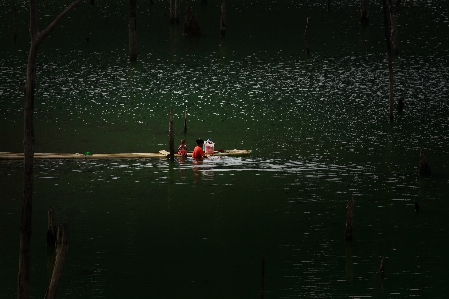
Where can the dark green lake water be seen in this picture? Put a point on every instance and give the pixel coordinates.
(318, 127)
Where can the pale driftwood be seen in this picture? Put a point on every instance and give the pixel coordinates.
(62, 246)
(77, 156)
(37, 36)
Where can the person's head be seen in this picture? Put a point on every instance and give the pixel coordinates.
(183, 141)
(199, 141)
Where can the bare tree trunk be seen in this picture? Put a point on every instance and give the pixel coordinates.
(172, 11)
(23, 279)
(262, 287)
(51, 231)
(223, 19)
(306, 42)
(14, 10)
(387, 27)
(177, 10)
(62, 246)
(394, 12)
(349, 219)
(364, 12)
(171, 136)
(185, 121)
(132, 30)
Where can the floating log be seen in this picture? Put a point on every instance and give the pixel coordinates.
(349, 219)
(424, 168)
(191, 26)
(77, 156)
(62, 246)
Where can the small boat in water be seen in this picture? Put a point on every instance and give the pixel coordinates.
(87, 155)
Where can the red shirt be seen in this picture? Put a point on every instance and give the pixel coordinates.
(198, 153)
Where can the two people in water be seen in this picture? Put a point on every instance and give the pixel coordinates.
(198, 153)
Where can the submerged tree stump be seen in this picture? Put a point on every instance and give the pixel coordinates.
(191, 26)
(424, 168)
(364, 12)
(349, 219)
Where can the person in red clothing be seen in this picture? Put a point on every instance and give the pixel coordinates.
(198, 153)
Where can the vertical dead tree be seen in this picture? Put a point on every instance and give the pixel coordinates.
(381, 268)
(262, 288)
(51, 232)
(172, 11)
(223, 19)
(185, 121)
(62, 246)
(14, 10)
(132, 30)
(175, 11)
(306, 43)
(171, 136)
(424, 168)
(387, 27)
(349, 219)
(37, 37)
(190, 23)
(394, 13)
(364, 12)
